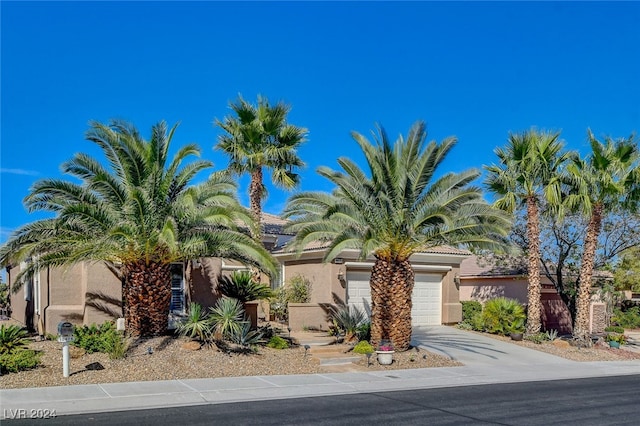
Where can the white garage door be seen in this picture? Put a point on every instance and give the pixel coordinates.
(427, 296)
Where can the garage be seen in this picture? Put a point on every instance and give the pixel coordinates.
(427, 296)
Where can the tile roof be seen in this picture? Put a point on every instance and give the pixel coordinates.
(320, 245)
(499, 266)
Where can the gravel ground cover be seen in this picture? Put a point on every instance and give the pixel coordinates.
(164, 358)
(598, 352)
(169, 361)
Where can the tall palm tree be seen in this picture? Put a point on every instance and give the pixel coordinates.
(399, 208)
(140, 212)
(529, 173)
(608, 178)
(259, 137)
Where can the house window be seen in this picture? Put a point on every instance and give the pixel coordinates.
(177, 288)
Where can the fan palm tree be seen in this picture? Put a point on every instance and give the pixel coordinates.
(608, 178)
(398, 209)
(140, 212)
(529, 173)
(259, 137)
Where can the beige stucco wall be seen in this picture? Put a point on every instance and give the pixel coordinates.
(19, 308)
(103, 294)
(483, 289)
(451, 307)
(325, 286)
(203, 281)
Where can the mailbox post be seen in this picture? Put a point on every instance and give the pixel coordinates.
(65, 335)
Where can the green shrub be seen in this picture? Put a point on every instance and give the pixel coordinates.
(277, 342)
(477, 322)
(537, 338)
(363, 332)
(617, 337)
(196, 325)
(500, 314)
(469, 309)
(226, 317)
(516, 326)
(615, 329)
(363, 347)
(278, 305)
(240, 285)
(12, 338)
(298, 290)
(627, 319)
(94, 338)
(18, 360)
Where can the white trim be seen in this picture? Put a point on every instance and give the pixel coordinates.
(37, 297)
(226, 267)
(430, 268)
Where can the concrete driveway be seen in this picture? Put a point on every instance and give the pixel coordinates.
(473, 349)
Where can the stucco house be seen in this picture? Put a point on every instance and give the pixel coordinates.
(483, 278)
(90, 293)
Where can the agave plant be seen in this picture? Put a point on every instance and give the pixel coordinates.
(244, 336)
(241, 285)
(12, 338)
(349, 319)
(196, 325)
(226, 317)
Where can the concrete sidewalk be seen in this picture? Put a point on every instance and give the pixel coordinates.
(488, 361)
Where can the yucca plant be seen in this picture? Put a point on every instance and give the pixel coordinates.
(241, 285)
(196, 325)
(226, 317)
(12, 338)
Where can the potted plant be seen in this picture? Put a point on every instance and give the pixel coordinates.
(385, 353)
(616, 339)
(516, 328)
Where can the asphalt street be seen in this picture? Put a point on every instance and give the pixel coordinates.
(593, 401)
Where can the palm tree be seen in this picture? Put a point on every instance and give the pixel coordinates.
(529, 173)
(141, 213)
(608, 178)
(397, 210)
(259, 137)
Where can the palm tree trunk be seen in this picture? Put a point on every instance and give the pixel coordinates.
(255, 201)
(391, 290)
(255, 198)
(581, 328)
(147, 297)
(534, 307)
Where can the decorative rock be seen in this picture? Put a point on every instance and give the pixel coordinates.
(559, 343)
(190, 346)
(76, 352)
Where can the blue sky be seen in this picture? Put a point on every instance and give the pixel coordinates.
(470, 69)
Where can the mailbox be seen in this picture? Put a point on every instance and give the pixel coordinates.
(65, 331)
